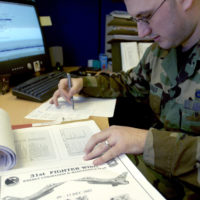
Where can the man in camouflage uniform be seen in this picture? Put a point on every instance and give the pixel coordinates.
(168, 78)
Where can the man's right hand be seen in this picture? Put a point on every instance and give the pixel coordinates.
(66, 92)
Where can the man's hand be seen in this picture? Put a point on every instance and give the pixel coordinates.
(66, 92)
(120, 139)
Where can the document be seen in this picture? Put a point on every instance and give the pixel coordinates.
(83, 108)
(50, 165)
(117, 179)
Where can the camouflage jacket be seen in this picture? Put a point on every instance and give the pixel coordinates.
(175, 99)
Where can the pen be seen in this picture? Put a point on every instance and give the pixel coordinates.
(70, 85)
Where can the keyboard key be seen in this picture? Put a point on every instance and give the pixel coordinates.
(39, 88)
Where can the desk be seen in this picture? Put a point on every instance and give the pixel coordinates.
(18, 109)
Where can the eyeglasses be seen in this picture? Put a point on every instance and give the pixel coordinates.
(148, 18)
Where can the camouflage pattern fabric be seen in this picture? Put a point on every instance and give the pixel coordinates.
(174, 150)
(170, 187)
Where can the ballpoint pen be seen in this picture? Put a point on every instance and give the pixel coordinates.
(70, 85)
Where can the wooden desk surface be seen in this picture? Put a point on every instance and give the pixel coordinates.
(18, 109)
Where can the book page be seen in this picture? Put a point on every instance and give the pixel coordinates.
(38, 146)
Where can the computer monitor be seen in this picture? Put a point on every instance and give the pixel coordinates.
(22, 48)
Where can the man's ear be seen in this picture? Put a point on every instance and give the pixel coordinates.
(186, 4)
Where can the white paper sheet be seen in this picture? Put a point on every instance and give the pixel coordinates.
(84, 107)
(117, 179)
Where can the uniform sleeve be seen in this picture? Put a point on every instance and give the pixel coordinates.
(134, 83)
(174, 154)
(105, 85)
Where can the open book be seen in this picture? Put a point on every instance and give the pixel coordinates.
(48, 165)
(32, 147)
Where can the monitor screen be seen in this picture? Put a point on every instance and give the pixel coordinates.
(20, 33)
(22, 46)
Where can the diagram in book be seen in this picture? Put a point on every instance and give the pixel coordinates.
(119, 180)
(44, 191)
(121, 197)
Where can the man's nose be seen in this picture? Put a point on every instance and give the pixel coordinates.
(143, 29)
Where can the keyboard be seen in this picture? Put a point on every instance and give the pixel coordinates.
(39, 89)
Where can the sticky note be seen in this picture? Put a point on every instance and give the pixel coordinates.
(45, 21)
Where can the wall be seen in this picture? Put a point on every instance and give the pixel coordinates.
(78, 26)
